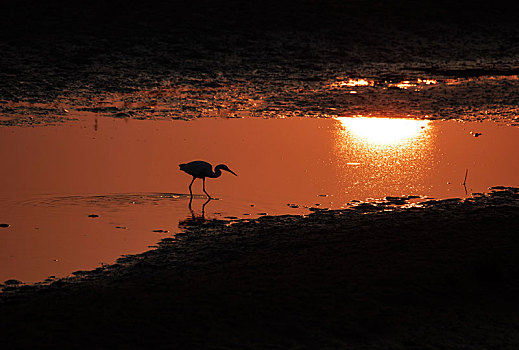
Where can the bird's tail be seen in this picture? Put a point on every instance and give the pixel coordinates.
(182, 166)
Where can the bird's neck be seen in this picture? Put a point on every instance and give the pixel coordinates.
(216, 173)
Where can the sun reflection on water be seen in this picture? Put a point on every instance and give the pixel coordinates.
(352, 82)
(384, 131)
(377, 154)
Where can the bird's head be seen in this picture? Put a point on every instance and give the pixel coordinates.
(226, 168)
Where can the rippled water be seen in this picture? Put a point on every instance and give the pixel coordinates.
(83, 193)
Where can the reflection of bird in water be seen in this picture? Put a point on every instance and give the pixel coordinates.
(200, 170)
(194, 219)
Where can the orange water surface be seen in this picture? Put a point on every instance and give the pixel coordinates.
(126, 172)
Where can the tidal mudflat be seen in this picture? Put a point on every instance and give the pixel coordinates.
(376, 150)
(79, 195)
(375, 276)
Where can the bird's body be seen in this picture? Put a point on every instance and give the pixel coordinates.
(200, 170)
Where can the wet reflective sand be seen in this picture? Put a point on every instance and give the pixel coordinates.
(126, 172)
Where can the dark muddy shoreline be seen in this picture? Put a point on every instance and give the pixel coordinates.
(282, 53)
(442, 276)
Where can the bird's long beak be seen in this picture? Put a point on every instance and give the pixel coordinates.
(232, 172)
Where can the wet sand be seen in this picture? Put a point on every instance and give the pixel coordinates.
(442, 276)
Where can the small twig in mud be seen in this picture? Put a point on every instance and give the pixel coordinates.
(465, 181)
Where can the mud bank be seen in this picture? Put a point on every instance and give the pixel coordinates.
(442, 274)
(277, 58)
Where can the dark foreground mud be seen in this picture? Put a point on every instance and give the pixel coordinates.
(439, 276)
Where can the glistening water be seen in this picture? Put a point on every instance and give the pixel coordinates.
(83, 193)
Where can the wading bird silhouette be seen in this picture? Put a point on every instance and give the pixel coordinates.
(200, 170)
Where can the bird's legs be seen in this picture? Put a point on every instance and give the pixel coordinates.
(191, 192)
(203, 207)
(190, 208)
(208, 195)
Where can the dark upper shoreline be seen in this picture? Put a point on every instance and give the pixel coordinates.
(56, 48)
(442, 276)
(62, 57)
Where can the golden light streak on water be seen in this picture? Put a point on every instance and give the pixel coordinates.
(427, 81)
(403, 85)
(385, 153)
(362, 82)
(384, 131)
(352, 83)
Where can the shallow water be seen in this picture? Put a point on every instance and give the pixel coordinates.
(125, 173)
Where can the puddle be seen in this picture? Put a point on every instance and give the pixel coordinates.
(83, 193)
